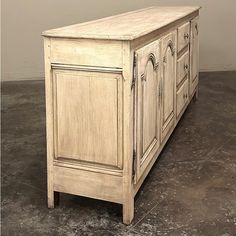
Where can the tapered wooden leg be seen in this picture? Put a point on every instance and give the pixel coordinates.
(128, 210)
(53, 199)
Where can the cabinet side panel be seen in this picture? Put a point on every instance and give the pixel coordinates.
(87, 116)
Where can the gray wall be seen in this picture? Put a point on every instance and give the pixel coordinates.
(24, 20)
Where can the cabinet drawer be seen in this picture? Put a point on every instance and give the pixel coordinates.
(183, 36)
(182, 97)
(182, 67)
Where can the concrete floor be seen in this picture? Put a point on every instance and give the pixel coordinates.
(191, 190)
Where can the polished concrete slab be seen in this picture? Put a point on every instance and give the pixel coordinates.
(191, 190)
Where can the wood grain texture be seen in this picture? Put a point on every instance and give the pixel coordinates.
(183, 36)
(88, 184)
(182, 67)
(88, 106)
(127, 141)
(182, 97)
(127, 26)
(102, 53)
(168, 83)
(148, 103)
(49, 121)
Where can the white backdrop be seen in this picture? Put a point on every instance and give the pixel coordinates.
(24, 20)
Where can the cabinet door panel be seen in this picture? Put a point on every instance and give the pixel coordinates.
(147, 104)
(194, 54)
(168, 82)
(149, 87)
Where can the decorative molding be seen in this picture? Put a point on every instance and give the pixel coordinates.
(69, 163)
(86, 68)
(155, 64)
(152, 58)
(172, 48)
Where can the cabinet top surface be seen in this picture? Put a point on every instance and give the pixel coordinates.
(126, 26)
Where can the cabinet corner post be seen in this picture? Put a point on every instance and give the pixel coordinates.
(128, 196)
(49, 123)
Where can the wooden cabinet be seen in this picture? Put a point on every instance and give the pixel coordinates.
(115, 90)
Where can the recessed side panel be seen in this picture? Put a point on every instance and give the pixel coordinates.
(86, 114)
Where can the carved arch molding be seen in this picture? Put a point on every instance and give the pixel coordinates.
(170, 45)
(155, 63)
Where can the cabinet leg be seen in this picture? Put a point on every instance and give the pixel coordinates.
(53, 199)
(195, 97)
(128, 211)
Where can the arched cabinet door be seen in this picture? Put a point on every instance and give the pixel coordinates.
(168, 83)
(194, 54)
(147, 113)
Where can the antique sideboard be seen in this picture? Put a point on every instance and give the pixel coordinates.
(115, 89)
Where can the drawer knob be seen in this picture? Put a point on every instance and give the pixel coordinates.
(186, 36)
(186, 66)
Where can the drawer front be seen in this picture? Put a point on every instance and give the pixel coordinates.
(183, 36)
(182, 67)
(182, 97)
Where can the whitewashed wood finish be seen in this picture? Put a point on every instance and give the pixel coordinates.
(111, 105)
(182, 97)
(127, 119)
(88, 184)
(77, 100)
(168, 82)
(148, 104)
(127, 26)
(87, 52)
(182, 67)
(183, 36)
(194, 54)
(49, 122)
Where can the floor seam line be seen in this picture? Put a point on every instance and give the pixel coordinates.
(143, 217)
